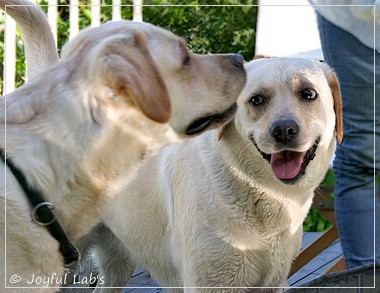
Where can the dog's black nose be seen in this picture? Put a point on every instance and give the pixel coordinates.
(237, 60)
(284, 131)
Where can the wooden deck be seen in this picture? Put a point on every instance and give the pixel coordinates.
(142, 283)
(317, 266)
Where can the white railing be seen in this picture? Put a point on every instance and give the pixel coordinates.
(10, 30)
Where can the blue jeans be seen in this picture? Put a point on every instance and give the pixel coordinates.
(355, 165)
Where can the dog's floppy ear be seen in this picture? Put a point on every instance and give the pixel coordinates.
(335, 90)
(126, 66)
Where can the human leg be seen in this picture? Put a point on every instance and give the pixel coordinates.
(355, 165)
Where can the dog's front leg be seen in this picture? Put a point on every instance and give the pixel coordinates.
(115, 265)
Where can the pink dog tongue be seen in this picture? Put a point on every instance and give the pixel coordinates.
(286, 164)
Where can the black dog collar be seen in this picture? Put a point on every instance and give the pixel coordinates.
(43, 215)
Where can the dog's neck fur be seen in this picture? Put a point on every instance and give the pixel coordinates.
(73, 153)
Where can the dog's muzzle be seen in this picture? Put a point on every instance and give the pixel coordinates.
(289, 166)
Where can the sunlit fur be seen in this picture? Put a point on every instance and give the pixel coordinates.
(209, 212)
(81, 121)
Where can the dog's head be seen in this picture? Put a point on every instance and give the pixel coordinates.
(152, 69)
(289, 111)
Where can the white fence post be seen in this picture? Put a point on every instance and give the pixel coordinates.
(52, 18)
(116, 9)
(137, 10)
(74, 19)
(95, 13)
(9, 73)
(9, 54)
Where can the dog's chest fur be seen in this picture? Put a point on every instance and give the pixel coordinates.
(251, 233)
(241, 229)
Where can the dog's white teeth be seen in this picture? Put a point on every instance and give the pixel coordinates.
(286, 164)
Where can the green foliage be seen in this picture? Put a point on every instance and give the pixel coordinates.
(20, 58)
(314, 221)
(63, 14)
(209, 29)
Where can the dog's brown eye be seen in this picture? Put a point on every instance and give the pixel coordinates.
(308, 94)
(257, 100)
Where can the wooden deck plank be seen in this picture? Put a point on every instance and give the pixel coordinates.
(141, 279)
(142, 283)
(314, 249)
(317, 266)
(309, 237)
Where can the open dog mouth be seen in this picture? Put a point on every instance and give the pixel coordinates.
(203, 123)
(289, 166)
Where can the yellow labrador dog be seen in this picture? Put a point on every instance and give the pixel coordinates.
(225, 209)
(78, 122)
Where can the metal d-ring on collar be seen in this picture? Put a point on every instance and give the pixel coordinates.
(43, 215)
(35, 217)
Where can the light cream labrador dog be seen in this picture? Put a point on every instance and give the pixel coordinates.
(78, 122)
(226, 208)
